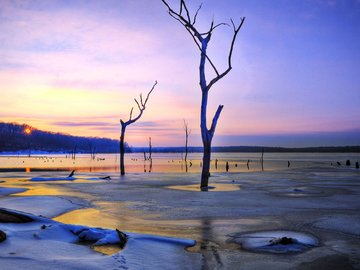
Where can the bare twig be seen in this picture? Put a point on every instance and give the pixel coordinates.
(141, 107)
(196, 13)
(219, 76)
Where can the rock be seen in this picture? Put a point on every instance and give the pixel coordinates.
(348, 162)
(283, 241)
(122, 238)
(7, 216)
(2, 236)
(278, 242)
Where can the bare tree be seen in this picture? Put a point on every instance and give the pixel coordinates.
(202, 40)
(187, 133)
(150, 149)
(141, 106)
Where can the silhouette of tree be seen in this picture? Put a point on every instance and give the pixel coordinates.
(187, 133)
(202, 40)
(141, 106)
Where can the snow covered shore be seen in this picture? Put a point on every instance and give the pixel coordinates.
(317, 201)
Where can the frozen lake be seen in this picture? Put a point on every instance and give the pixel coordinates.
(174, 163)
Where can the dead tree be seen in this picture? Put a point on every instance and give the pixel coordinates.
(141, 106)
(187, 133)
(150, 149)
(202, 40)
(150, 152)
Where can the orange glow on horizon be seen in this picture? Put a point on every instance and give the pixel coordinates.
(27, 130)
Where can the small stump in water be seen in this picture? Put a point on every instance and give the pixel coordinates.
(2, 236)
(279, 242)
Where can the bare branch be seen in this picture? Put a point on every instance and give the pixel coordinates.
(147, 97)
(215, 119)
(186, 128)
(189, 26)
(196, 13)
(186, 9)
(219, 76)
(131, 113)
(212, 28)
(140, 108)
(236, 31)
(141, 101)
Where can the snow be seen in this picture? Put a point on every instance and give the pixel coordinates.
(320, 201)
(47, 244)
(49, 206)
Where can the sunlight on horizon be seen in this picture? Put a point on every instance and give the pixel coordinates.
(75, 68)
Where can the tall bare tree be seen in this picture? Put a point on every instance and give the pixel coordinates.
(202, 40)
(187, 133)
(141, 106)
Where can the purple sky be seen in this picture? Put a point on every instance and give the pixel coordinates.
(75, 67)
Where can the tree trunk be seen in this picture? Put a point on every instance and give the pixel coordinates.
(122, 150)
(205, 135)
(206, 139)
(186, 148)
(206, 166)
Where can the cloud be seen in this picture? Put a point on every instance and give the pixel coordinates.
(81, 124)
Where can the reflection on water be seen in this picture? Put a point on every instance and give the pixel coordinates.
(107, 249)
(89, 217)
(214, 187)
(173, 162)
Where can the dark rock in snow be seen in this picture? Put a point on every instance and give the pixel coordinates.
(7, 216)
(2, 236)
(122, 237)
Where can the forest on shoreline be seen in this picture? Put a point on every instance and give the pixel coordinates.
(21, 138)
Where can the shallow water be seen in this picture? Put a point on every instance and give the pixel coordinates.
(315, 198)
(173, 162)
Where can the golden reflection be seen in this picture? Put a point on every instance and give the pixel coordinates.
(42, 191)
(48, 190)
(107, 249)
(215, 187)
(89, 217)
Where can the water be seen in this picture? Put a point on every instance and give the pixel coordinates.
(174, 163)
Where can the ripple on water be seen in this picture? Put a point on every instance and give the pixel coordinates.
(212, 188)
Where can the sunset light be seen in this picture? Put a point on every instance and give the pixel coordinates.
(73, 67)
(27, 130)
(179, 134)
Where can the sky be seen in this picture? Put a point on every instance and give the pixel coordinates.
(76, 67)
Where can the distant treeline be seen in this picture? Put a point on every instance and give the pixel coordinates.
(13, 138)
(23, 138)
(254, 149)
